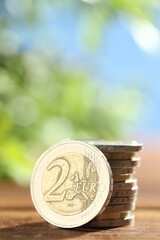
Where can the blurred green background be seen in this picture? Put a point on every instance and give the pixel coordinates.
(46, 97)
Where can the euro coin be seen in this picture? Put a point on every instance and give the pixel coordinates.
(125, 192)
(116, 215)
(122, 178)
(122, 200)
(120, 156)
(135, 162)
(117, 147)
(121, 170)
(71, 183)
(107, 223)
(117, 208)
(125, 185)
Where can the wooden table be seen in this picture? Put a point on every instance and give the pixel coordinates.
(19, 220)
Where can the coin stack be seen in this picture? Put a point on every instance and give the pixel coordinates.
(86, 183)
(123, 161)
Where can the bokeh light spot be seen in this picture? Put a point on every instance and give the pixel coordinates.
(55, 129)
(24, 110)
(9, 42)
(146, 35)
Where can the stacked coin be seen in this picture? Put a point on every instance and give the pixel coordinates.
(123, 161)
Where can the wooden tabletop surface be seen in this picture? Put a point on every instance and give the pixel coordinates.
(19, 220)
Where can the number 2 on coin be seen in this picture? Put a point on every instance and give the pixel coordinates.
(64, 170)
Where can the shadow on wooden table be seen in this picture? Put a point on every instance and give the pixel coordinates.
(42, 230)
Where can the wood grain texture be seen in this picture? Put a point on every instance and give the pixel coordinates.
(28, 224)
(19, 219)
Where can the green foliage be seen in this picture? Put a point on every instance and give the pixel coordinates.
(42, 105)
(43, 101)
